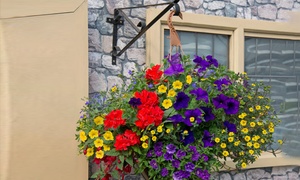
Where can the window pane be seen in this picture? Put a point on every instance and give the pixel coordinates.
(202, 44)
(277, 63)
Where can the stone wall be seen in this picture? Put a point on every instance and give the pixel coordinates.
(103, 75)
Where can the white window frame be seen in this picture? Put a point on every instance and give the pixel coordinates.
(237, 29)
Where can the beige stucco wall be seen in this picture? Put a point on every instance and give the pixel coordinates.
(43, 76)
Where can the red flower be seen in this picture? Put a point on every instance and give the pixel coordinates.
(106, 177)
(97, 161)
(114, 119)
(123, 141)
(154, 74)
(147, 98)
(150, 115)
(127, 168)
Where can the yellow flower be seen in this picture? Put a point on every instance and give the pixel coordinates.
(223, 131)
(93, 133)
(280, 141)
(203, 79)
(256, 145)
(254, 138)
(271, 125)
(108, 136)
(260, 97)
(264, 132)
(192, 119)
(241, 153)
(177, 84)
(267, 107)
(243, 123)
(106, 147)
(223, 145)
(253, 85)
(154, 138)
(89, 152)
(251, 151)
(98, 142)
(231, 134)
(185, 132)
(236, 143)
(230, 139)
(99, 154)
(252, 124)
(262, 141)
(225, 153)
(257, 107)
(98, 120)
(168, 131)
(162, 89)
(144, 138)
(189, 79)
(171, 93)
(247, 138)
(217, 140)
(249, 144)
(159, 129)
(241, 116)
(167, 103)
(114, 89)
(153, 132)
(82, 136)
(145, 145)
(244, 73)
(244, 165)
(245, 130)
(249, 97)
(251, 109)
(259, 123)
(271, 130)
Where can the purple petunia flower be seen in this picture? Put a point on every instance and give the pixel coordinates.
(150, 153)
(182, 101)
(207, 139)
(150, 85)
(203, 64)
(220, 101)
(189, 167)
(232, 106)
(135, 102)
(168, 156)
(195, 156)
(158, 149)
(194, 85)
(202, 174)
(176, 163)
(175, 65)
(208, 115)
(153, 164)
(195, 113)
(180, 154)
(212, 61)
(177, 118)
(164, 172)
(189, 138)
(200, 94)
(171, 148)
(193, 148)
(179, 175)
(230, 126)
(221, 82)
(204, 157)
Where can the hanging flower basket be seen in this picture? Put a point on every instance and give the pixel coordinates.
(179, 121)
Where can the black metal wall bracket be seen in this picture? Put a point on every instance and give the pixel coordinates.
(141, 28)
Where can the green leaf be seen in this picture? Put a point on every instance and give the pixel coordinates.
(112, 152)
(129, 160)
(115, 174)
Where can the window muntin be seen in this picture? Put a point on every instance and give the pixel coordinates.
(277, 63)
(201, 44)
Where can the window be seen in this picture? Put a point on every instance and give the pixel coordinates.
(267, 51)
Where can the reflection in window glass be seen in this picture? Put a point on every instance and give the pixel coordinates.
(277, 63)
(201, 44)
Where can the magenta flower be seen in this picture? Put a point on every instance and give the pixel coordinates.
(164, 172)
(189, 167)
